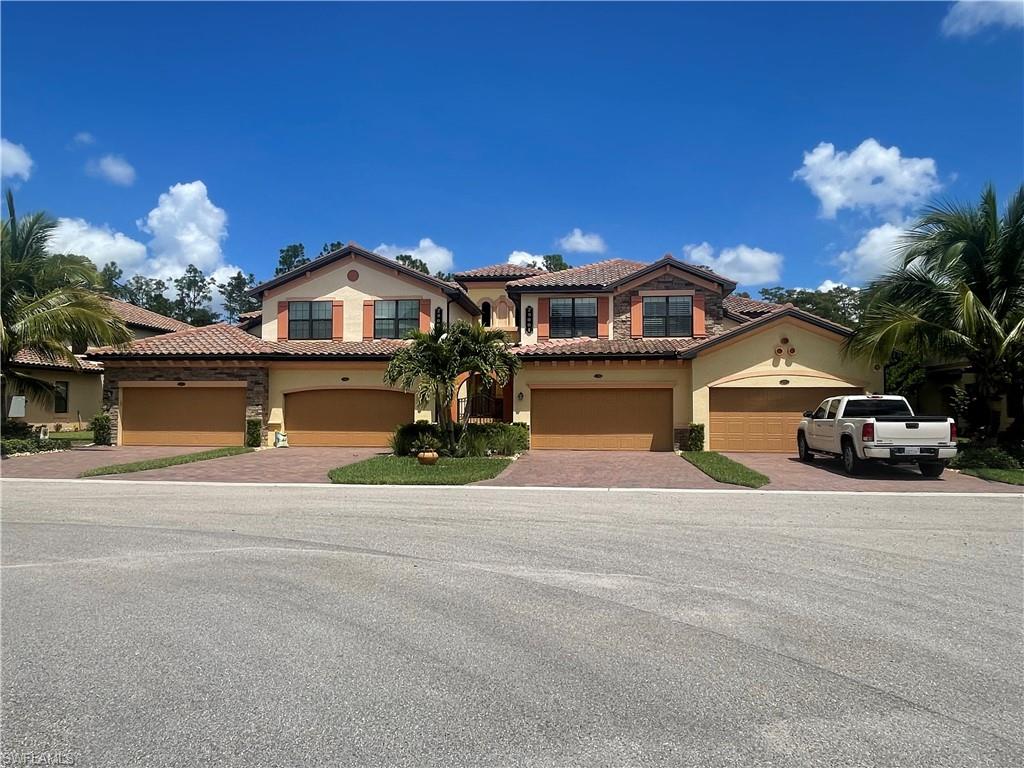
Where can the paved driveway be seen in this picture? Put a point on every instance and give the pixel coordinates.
(604, 469)
(242, 626)
(275, 465)
(790, 474)
(69, 464)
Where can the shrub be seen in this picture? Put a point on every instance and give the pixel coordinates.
(474, 443)
(424, 444)
(513, 439)
(253, 433)
(32, 445)
(972, 457)
(16, 429)
(101, 432)
(694, 440)
(479, 440)
(407, 434)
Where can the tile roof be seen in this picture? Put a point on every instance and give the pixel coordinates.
(135, 315)
(248, 320)
(250, 315)
(30, 358)
(586, 346)
(499, 271)
(749, 307)
(595, 275)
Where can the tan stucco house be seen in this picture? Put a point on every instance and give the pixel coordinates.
(616, 355)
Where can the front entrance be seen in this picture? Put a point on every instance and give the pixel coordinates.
(601, 419)
(345, 417)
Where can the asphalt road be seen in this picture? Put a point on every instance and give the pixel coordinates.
(169, 625)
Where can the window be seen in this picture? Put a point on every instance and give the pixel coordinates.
(668, 316)
(862, 409)
(394, 319)
(572, 317)
(485, 314)
(60, 397)
(833, 406)
(309, 319)
(820, 413)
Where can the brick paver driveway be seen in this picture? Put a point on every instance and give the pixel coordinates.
(604, 469)
(274, 465)
(790, 474)
(69, 464)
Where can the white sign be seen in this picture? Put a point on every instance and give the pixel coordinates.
(17, 407)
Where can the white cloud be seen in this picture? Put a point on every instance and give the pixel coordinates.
(870, 177)
(875, 253)
(187, 228)
(578, 241)
(114, 169)
(828, 285)
(15, 160)
(436, 257)
(101, 244)
(742, 263)
(967, 18)
(83, 139)
(525, 259)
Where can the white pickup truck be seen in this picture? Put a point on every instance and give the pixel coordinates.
(859, 428)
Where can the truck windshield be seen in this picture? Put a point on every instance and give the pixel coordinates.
(862, 409)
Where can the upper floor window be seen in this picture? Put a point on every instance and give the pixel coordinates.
(60, 397)
(572, 317)
(485, 314)
(394, 319)
(668, 316)
(309, 319)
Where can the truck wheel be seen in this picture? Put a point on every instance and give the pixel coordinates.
(801, 448)
(851, 463)
(931, 468)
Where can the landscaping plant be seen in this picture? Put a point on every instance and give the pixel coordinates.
(101, 430)
(694, 438)
(253, 433)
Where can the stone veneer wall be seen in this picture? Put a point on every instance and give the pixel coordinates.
(256, 394)
(713, 313)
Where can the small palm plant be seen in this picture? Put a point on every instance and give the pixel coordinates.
(957, 294)
(49, 304)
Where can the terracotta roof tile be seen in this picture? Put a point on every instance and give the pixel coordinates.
(135, 315)
(500, 271)
(585, 346)
(33, 359)
(749, 307)
(595, 275)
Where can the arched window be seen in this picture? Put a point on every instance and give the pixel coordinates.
(439, 317)
(485, 314)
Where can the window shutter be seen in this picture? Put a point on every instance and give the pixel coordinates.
(543, 321)
(368, 320)
(425, 315)
(338, 321)
(282, 321)
(636, 316)
(602, 316)
(699, 326)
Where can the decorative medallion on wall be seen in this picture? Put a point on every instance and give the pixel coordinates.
(353, 275)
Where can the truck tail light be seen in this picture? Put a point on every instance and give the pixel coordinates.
(952, 431)
(867, 433)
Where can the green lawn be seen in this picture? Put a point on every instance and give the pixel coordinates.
(1011, 476)
(403, 470)
(166, 461)
(83, 435)
(725, 470)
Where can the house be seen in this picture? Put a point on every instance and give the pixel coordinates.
(78, 392)
(617, 355)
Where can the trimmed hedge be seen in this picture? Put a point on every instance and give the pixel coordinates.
(494, 438)
(32, 445)
(18, 430)
(253, 433)
(970, 457)
(101, 431)
(694, 438)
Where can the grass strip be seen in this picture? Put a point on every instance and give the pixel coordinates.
(82, 435)
(725, 470)
(403, 470)
(1011, 476)
(166, 461)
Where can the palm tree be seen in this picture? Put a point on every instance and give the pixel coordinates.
(48, 304)
(957, 294)
(433, 362)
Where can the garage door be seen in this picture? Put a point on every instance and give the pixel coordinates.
(183, 415)
(345, 416)
(763, 419)
(602, 419)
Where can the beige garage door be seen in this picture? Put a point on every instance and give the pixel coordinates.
(353, 417)
(602, 419)
(183, 415)
(763, 419)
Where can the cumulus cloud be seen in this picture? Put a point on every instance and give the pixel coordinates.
(828, 285)
(871, 177)
(15, 161)
(579, 241)
(525, 259)
(742, 263)
(436, 257)
(113, 168)
(874, 253)
(186, 228)
(968, 18)
(83, 139)
(99, 243)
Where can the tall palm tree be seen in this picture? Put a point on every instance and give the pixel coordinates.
(957, 294)
(433, 362)
(48, 304)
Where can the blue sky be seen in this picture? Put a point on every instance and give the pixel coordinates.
(780, 143)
